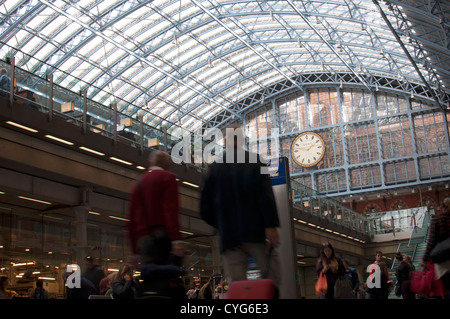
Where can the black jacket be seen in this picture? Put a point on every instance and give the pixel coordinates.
(238, 200)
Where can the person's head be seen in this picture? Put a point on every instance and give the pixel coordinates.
(378, 256)
(446, 204)
(39, 283)
(125, 269)
(160, 159)
(345, 263)
(399, 257)
(3, 71)
(89, 262)
(106, 282)
(408, 259)
(327, 251)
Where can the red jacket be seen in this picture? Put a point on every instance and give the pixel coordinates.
(160, 191)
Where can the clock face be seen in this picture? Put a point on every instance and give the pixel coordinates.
(307, 149)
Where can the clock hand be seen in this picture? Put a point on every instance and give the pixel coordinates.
(311, 146)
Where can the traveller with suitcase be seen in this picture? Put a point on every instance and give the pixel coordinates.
(238, 200)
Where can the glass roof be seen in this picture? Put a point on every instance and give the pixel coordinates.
(195, 63)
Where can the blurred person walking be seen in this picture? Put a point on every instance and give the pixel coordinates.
(153, 225)
(439, 239)
(238, 200)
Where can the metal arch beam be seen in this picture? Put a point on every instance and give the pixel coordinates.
(244, 41)
(314, 79)
(428, 39)
(405, 50)
(327, 43)
(21, 19)
(88, 39)
(130, 52)
(432, 7)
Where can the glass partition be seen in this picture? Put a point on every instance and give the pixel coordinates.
(396, 221)
(308, 201)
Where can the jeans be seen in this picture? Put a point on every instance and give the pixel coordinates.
(155, 248)
(236, 261)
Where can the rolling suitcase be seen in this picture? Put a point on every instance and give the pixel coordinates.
(254, 289)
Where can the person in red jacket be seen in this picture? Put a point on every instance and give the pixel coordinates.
(153, 225)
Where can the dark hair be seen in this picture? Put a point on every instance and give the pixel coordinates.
(322, 254)
(399, 256)
(39, 283)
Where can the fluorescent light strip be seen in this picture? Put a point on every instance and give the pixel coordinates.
(46, 278)
(120, 160)
(190, 184)
(91, 151)
(119, 218)
(58, 139)
(23, 127)
(34, 200)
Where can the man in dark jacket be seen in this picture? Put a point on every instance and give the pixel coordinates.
(238, 200)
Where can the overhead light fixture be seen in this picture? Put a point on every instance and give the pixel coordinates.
(23, 127)
(23, 264)
(120, 160)
(47, 278)
(119, 218)
(190, 184)
(58, 139)
(93, 213)
(140, 167)
(91, 151)
(34, 200)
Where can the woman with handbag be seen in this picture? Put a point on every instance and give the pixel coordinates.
(402, 273)
(438, 246)
(331, 266)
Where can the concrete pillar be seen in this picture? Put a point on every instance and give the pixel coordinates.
(81, 247)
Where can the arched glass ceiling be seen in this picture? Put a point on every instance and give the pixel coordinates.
(194, 62)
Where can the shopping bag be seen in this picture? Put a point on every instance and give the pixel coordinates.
(421, 282)
(343, 288)
(424, 282)
(321, 285)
